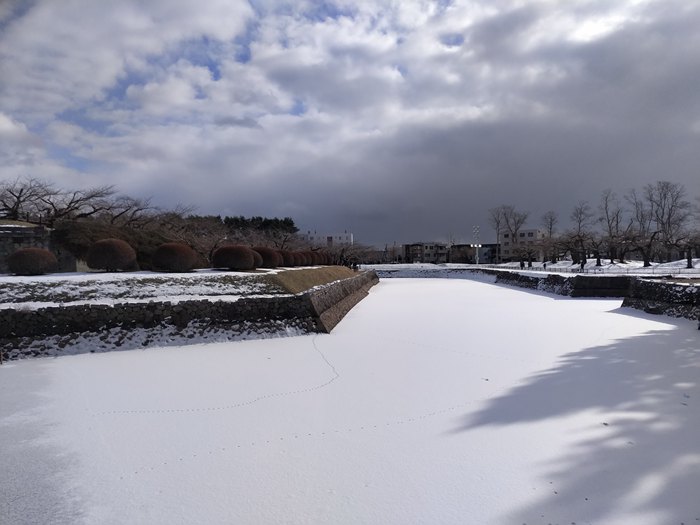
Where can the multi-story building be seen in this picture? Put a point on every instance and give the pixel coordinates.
(527, 244)
(329, 240)
(467, 253)
(425, 252)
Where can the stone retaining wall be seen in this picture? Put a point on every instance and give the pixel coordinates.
(573, 286)
(25, 332)
(658, 297)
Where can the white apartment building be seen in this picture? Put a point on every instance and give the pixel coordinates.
(328, 240)
(527, 241)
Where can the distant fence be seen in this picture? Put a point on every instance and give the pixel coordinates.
(651, 270)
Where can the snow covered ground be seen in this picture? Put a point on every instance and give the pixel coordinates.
(433, 401)
(32, 292)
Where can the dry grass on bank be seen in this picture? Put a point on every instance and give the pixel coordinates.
(295, 281)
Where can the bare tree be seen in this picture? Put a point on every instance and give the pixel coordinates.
(615, 227)
(130, 212)
(581, 232)
(643, 234)
(77, 204)
(549, 223)
(671, 213)
(22, 198)
(204, 234)
(496, 220)
(513, 221)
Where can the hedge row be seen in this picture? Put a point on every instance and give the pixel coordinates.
(238, 257)
(114, 255)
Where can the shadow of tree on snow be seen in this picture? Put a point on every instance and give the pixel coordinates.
(647, 389)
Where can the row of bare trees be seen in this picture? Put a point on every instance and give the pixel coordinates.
(82, 216)
(100, 210)
(656, 223)
(35, 200)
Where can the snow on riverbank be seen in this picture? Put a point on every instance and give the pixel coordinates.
(434, 401)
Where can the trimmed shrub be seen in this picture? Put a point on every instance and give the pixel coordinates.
(32, 261)
(111, 255)
(271, 259)
(258, 258)
(313, 258)
(174, 257)
(234, 257)
(299, 259)
(76, 238)
(287, 258)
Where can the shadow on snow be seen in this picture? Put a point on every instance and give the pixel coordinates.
(647, 389)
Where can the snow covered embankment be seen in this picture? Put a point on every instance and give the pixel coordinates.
(81, 328)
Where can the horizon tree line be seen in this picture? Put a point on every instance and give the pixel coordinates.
(79, 217)
(657, 222)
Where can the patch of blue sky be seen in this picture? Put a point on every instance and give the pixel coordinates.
(298, 108)
(443, 5)
(452, 39)
(323, 10)
(201, 51)
(258, 7)
(81, 118)
(243, 53)
(66, 158)
(116, 93)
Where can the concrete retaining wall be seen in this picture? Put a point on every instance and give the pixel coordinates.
(24, 332)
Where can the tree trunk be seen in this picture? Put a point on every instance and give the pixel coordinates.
(689, 257)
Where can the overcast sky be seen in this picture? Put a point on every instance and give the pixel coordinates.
(396, 120)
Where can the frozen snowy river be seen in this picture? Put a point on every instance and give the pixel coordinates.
(433, 402)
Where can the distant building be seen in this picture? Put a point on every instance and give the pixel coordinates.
(328, 240)
(527, 244)
(425, 252)
(466, 253)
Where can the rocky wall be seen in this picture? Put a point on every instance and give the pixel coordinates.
(24, 332)
(658, 297)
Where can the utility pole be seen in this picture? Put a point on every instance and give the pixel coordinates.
(475, 244)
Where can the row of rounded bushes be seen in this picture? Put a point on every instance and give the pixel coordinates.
(116, 255)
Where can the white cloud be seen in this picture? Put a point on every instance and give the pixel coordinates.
(329, 103)
(65, 54)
